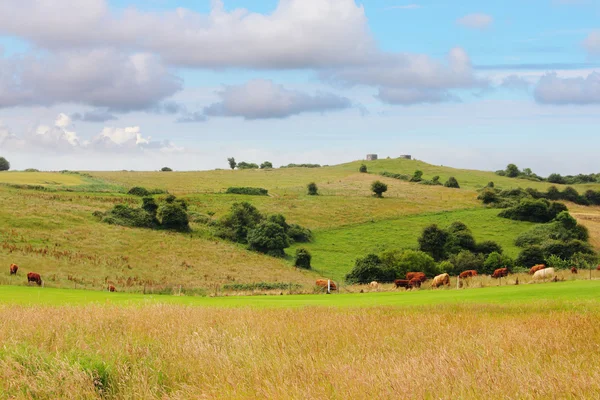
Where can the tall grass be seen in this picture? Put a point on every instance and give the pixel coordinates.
(171, 352)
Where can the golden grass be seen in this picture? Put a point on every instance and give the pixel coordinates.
(40, 178)
(173, 352)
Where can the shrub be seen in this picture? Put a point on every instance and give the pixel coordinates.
(32, 170)
(138, 191)
(512, 171)
(533, 210)
(553, 193)
(488, 196)
(435, 181)
(378, 188)
(245, 165)
(128, 216)
(565, 249)
(452, 183)
(402, 261)
(313, 190)
(446, 267)
(269, 238)
(490, 185)
(432, 241)
(241, 218)
(299, 234)
(266, 165)
(250, 191)
(173, 216)
(557, 262)
(368, 269)
(4, 164)
(301, 166)
(303, 258)
(261, 286)
(417, 176)
(232, 163)
(592, 197)
(494, 261)
(501, 172)
(363, 168)
(556, 178)
(459, 241)
(395, 176)
(466, 260)
(149, 205)
(166, 169)
(487, 247)
(530, 256)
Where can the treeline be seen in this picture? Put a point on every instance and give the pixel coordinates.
(417, 177)
(512, 171)
(265, 165)
(509, 197)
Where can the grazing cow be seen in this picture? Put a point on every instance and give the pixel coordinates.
(414, 283)
(374, 285)
(443, 279)
(13, 269)
(33, 277)
(544, 274)
(467, 274)
(574, 270)
(416, 275)
(405, 283)
(111, 288)
(536, 268)
(323, 283)
(598, 268)
(500, 273)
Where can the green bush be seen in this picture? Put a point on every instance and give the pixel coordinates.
(173, 216)
(313, 190)
(127, 216)
(530, 256)
(166, 169)
(557, 262)
(512, 171)
(303, 259)
(301, 166)
(432, 241)
(452, 183)
(494, 261)
(368, 269)
(245, 165)
(459, 241)
(533, 210)
(487, 247)
(378, 188)
(266, 165)
(400, 177)
(488, 196)
(138, 191)
(241, 218)
(466, 260)
(565, 249)
(363, 168)
(250, 191)
(417, 176)
(32, 170)
(4, 164)
(403, 261)
(260, 286)
(269, 238)
(299, 234)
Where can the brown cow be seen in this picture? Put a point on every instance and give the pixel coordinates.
(13, 269)
(536, 268)
(467, 274)
(323, 283)
(500, 272)
(443, 279)
(414, 283)
(573, 270)
(598, 267)
(405, 283)
(33, 277)
(416, 275)
(111, 288)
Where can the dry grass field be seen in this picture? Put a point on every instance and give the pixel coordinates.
(534, 351)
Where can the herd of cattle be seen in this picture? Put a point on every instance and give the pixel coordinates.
(33, 277)
(415, 279)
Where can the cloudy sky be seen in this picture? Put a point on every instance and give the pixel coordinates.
(120, 84)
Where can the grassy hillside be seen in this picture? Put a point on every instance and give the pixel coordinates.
(53, 232)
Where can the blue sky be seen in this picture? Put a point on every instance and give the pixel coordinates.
(138, 85)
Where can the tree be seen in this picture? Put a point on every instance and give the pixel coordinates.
(378, 188)
(556, 178)
(232, 162)
(417, 176)
(466, 260)
(303, 258)
(512, 171)
(242, 218)
(452, 183)
(368, 269)
(494, 261)
(173, 216)
(530, 256)
(403, 261)
(487, 247)
(527, 172)
(432, 241)
(266, 165)
(363, 168)
(166, 169)
(488, 196)
(4, 164)
(269, 238)
(313, 190)
(149, 205)
(245, 165)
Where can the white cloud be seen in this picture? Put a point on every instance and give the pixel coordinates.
(409, 97)
(552, 89)
(592, 43)
(476, 21)
(261, 99)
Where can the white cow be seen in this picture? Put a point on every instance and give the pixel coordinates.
(545, 273)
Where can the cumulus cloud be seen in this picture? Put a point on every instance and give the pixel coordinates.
(61, 138)
(551, 89)
(408, 97)
(297, 34)
(515, 82)
(592, 43)
(93, 116)
(476, 21)
(100, 78)
(264, 99)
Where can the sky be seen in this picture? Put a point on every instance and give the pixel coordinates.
(138, 85)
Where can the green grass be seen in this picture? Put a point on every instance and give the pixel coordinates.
(41, 178)
(334, 251)
(579, 290)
